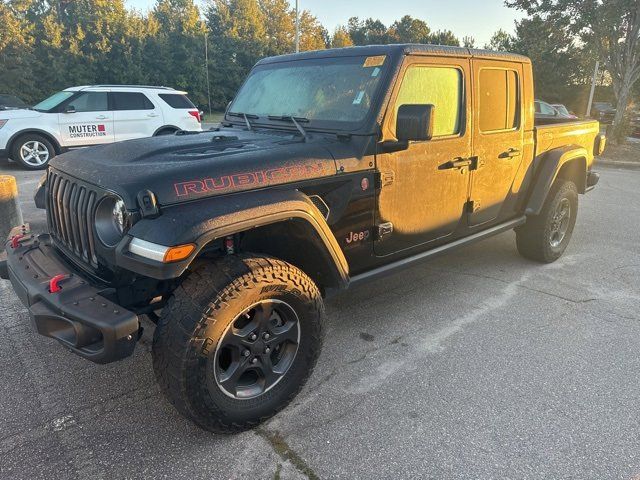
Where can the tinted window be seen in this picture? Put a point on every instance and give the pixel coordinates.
(498, 92)
(131, 101)
(175, 100)
(90, 102)
(441, 87)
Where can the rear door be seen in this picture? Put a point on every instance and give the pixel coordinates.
(88, 123)
(135, 115)
(423, 193)
(497, 139)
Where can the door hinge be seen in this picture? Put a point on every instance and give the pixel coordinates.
(384, 229)
(385, 179)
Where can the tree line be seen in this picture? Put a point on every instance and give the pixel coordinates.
(48, 45)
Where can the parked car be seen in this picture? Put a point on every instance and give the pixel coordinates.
(604, 112)
(564, 111)
(10, 102)
(331, 168)
(545, 111)
(93, 115)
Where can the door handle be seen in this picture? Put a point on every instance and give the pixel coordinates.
(152, 115)
(458, 163)
(512, 152)
(101, 117)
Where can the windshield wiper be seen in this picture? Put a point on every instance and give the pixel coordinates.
(246, 118)
(294, 120)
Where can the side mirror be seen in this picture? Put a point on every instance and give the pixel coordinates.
(69, 109)
(415, 123)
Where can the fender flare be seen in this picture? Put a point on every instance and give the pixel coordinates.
(209, 219)
(552, 163)
(51, 137)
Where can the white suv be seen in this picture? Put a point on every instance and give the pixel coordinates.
(93, 115)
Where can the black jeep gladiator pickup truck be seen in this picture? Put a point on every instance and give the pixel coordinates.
(330, 168)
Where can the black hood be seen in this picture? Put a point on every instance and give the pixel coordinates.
(179, 168)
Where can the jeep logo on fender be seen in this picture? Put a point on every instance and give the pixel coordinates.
(87, 131)
(245, 180)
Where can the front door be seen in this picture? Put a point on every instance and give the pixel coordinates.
(497, 140)
(424, 189)
(89, 121)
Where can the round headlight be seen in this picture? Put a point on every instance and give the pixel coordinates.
(111, 220)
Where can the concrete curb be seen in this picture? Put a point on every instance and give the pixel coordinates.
(615, 164)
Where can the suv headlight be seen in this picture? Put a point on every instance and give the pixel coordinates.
(111, 220)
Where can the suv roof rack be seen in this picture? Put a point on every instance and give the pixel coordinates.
(131, 86)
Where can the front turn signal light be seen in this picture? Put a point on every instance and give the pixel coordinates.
(175, 254)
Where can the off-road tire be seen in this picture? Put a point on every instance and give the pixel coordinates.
(196, 318)
(535, 239)
(17, 145)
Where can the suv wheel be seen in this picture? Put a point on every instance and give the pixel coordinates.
(545, 237)
(237, 341)
(32, 151)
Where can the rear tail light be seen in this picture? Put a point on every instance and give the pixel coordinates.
(195, 114)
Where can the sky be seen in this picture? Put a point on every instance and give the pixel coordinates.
(477, 18)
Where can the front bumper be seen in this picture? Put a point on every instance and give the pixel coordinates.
(77, 315)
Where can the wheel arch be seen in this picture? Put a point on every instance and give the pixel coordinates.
(165, 127)
(284, 224)
(48, 135)
(569, 163)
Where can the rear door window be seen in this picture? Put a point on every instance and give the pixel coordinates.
(498, 94)
(176, 100)
(131, 101)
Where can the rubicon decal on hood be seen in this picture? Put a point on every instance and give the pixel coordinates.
(87, 131)
(246, 180)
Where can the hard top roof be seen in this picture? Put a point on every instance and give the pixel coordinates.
(400, 49)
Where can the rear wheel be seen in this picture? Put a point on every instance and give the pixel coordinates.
(166, 131)
(237, 341)
(32, 151)
(545, 237)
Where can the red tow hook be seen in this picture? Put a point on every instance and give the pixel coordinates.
(15, 240)
(54, 283)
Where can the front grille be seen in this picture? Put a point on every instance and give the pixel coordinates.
(70, 210)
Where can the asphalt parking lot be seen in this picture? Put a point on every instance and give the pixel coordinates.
(480, 364)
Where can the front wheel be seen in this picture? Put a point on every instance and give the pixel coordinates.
(237, 341)
(32, 151)
(545, 237)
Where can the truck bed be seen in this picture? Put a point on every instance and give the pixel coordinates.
(572, 132)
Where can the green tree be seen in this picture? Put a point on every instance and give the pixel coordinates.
(15, 54)
(367, 32)
(410, 30)
(501, 41)
(238, 40)
(175, 53)
(444, 37)
(468, 42)
(611, 28)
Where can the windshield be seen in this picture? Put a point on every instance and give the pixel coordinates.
(562, 109)
(325, 92)
(53, 101)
